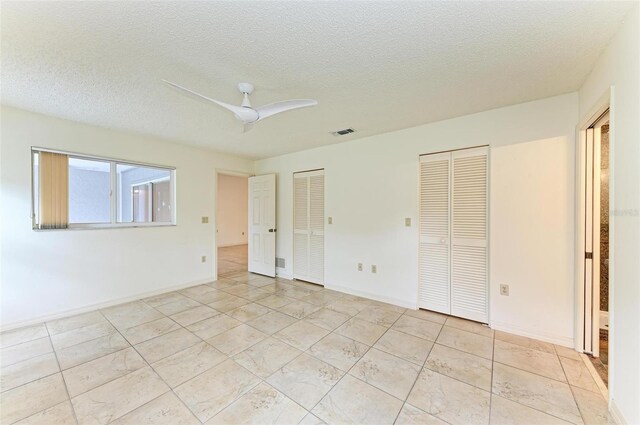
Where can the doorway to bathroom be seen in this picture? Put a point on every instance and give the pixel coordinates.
(595, 183)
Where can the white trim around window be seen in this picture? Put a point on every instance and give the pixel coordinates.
(115, 195)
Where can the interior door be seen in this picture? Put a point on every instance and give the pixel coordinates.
(161, 201)
(308, 229)
(592, 159)
(141, 201)
(316, 227)
(433, 274)
(469, 225)
(300, 226)
(262, 224)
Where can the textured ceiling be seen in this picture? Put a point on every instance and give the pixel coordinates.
(374, 66)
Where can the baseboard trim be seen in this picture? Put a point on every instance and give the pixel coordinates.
(226, 245)
(376, 297)
(97, 306)
(617, 414)
(504, 327)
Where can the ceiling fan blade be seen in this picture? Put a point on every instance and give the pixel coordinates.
(242, 113)
(286, 105)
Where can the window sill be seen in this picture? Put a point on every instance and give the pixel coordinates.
(106, 226)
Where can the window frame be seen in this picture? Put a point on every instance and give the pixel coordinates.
(113, 192)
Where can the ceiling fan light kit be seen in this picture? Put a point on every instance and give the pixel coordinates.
(245, 113)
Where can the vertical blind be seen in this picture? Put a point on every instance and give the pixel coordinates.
(53, 202)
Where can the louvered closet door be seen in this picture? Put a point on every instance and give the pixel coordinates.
(434, 282)
(301, 225)
(469, 290)
(308, 262)
(316, 227)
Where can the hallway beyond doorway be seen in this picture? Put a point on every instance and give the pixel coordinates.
(232, 259)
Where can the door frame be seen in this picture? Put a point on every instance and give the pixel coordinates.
(604, 104)
(219, 171)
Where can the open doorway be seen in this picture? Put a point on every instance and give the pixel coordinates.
(231, 224)
(596, 164)
(601, 363)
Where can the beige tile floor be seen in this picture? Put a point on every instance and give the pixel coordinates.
(232, 259)
(251, 349)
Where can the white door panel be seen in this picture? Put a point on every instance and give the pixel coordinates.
(433, 275)
(262, 225)
(453, 233)
(469, 190)
(308, 250)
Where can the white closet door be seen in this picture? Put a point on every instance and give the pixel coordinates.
(469, 289)
(308, 255)
(300, 226)
(434, 283)
(316, 227)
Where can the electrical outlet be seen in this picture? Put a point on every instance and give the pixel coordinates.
(374, 268)
(504, 290)
(407, 221)
(204, 258)
(205, 220)
(359, 267)
(330, 220)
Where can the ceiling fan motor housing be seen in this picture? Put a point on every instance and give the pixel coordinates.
(245, 88)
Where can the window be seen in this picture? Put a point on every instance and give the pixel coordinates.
(79, 191)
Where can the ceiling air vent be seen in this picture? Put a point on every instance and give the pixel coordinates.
(343, 132)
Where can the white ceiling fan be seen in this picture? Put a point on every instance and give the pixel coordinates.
(245, 113)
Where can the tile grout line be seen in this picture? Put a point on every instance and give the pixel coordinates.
(116, 331)
(419, 373)
(154, 371)
(261, 380)
(356, 362)
(64, 381)
(535, 408)
(172, 390)
(573, 396)
(493, 363)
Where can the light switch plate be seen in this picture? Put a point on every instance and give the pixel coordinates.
(204, 258)
(374, 268)
(407, 221)
(359, 267)
(330, 220)
(504, 290)
(205, 220)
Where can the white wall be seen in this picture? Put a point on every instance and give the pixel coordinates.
(233, 199)
(532, 221)
(371, 185)
(46, 273)
(619, 67)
